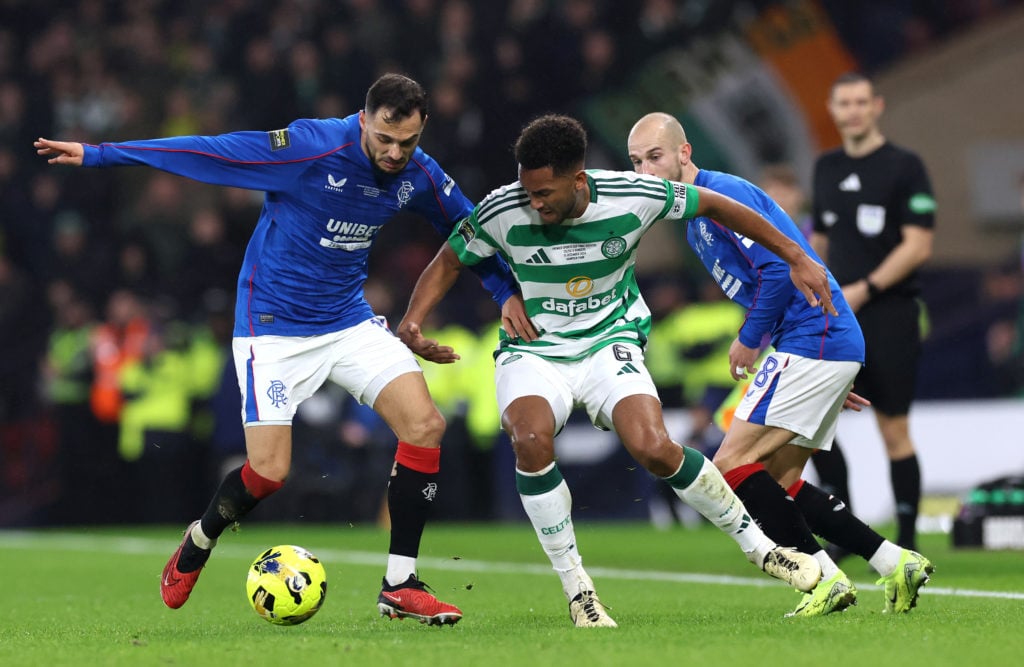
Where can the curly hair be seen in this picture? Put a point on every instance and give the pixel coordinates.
(553, 140)
(400, 94)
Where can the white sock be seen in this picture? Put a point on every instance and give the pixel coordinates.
(551, 516)
(710, 495)
(200, 539)
(399, 569)
(829, 568)
(886, 558)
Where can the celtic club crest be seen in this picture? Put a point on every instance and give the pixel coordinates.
(613, 247)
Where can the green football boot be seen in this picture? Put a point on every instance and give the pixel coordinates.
(903, 585)
(830, 595)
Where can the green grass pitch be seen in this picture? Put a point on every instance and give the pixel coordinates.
(681, 597)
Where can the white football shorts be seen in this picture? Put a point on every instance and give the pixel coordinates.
(276, 373)
(596, 383)
(801, 395)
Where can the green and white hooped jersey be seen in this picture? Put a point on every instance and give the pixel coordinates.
(577, 277)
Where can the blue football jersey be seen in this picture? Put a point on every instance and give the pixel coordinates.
(759, 280)
(308, 256)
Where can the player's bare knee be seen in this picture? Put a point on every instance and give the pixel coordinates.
(724, 461)
(425, 431)
(272, 468)
(533, 451)
(660, 456)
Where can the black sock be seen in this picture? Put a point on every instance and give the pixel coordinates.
(410, 500)
(906, 487)
(776, 512)
(192, 557)
(833, 476)
(829, 517)
(231, 502)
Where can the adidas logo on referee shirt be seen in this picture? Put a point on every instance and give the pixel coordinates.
(539, 257)
(850, 184)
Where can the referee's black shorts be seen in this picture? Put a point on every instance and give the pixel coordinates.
(892, 337)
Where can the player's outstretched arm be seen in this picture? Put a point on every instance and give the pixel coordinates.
(70, 153)
(431, 286)
(807, 275)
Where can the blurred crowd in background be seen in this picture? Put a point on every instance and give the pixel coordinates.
(117, 286)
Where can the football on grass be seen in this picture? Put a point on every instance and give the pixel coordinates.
(286, 585)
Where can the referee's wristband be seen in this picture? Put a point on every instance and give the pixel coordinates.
(873, 289)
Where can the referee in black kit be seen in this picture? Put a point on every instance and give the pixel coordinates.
(873, 214)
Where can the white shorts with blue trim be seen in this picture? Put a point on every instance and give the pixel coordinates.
(277, 373)
(596, 383)
(801, 395)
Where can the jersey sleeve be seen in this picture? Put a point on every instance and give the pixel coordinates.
(919, 202)
(771, 297)
(471, 244)
(772, 293)
(682, 201)
(268, 161)
(448, 205)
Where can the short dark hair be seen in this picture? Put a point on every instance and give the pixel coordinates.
(553, 140)
(850, 77)
(400, 94)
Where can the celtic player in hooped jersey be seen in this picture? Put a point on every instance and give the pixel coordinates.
(577, 277)
(571, 237)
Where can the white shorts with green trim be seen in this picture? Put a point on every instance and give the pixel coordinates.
(596, 383)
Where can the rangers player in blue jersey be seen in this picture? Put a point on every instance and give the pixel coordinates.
(794, 399)
(301, 318)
